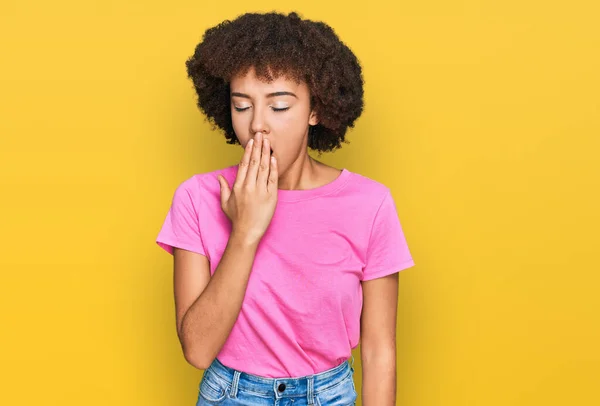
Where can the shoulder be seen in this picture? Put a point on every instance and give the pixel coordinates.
(207, 183)
(369, 190)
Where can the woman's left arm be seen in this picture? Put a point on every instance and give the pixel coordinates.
(378, 341)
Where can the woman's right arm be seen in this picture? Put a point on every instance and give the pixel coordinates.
(207, 307)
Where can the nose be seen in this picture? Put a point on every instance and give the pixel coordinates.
(258, 123)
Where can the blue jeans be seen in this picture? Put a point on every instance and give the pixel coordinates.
(222, 385)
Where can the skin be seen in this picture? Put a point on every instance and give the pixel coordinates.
(287, 131)
(211, 304)
(378, 340)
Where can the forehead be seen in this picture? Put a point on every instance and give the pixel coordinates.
(249, 82)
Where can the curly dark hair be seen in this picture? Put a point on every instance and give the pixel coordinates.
(277, 44)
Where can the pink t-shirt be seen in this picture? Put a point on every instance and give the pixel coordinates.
(302, 307)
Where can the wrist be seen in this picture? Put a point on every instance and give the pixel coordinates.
(243, 239)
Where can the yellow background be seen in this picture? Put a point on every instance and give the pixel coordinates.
(481, 116)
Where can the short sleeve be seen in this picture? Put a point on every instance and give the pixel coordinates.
(388, 251)
(181, 227)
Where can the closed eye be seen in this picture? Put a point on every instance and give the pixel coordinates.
(246, 108)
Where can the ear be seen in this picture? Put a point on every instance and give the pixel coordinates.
(313, 119)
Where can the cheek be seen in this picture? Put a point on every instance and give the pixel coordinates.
(240, 126)
(290, 126)
(291, 130)
(237, 122)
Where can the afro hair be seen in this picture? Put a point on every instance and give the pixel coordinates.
(276, 44)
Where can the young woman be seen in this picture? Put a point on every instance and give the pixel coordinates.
(281, 262)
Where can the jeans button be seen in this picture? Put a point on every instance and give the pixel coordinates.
(281, 387)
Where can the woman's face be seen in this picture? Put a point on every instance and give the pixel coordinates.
(280, 110)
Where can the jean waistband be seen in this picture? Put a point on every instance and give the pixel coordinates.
(305, 386)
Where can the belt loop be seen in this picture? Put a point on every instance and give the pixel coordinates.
(234, 383)
(351, 365)
(309, 394)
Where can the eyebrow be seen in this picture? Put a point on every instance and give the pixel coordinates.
(269, 95)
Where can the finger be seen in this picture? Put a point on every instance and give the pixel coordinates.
(243, 166)
(225, 190)
(265, 165)
(254, 160)
(273, 182)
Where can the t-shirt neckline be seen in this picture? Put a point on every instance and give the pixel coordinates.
(285, 195)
